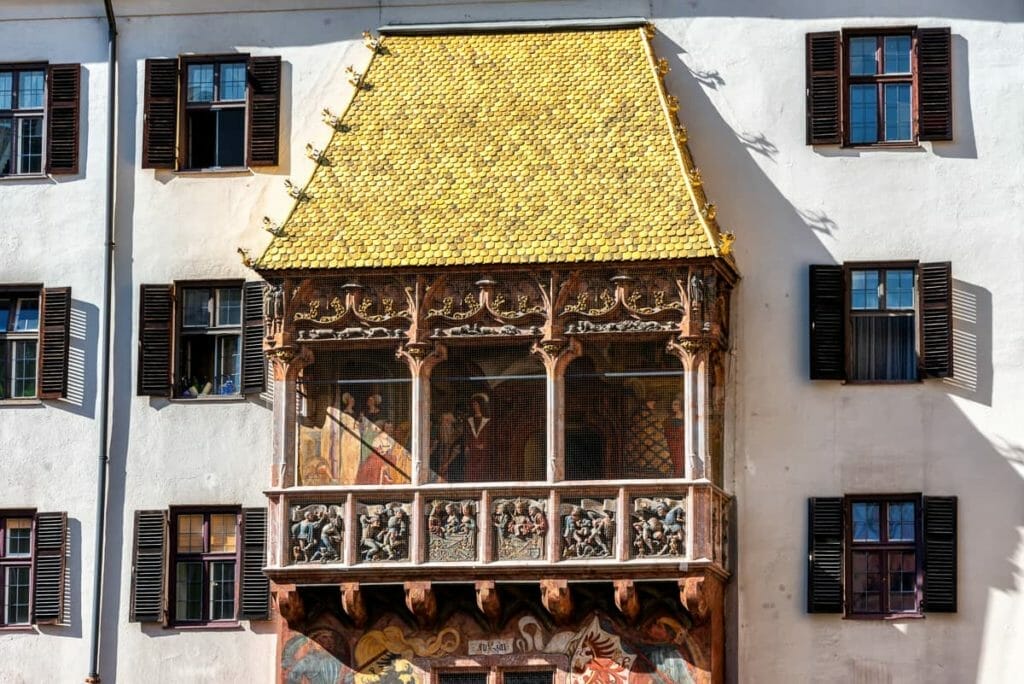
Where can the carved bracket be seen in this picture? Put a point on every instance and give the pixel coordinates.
(353, 604)
(421, 601)
(488, 600)
(557, 600)
(626, 599)
(290, 606)
(701, 596)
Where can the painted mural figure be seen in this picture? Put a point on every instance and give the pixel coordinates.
(646, 444)
(478, 439)
(339, 441)
(384, 533)
(447, 453)
(674, 429)
(388, 462)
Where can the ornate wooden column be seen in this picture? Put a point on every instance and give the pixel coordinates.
(421, 357)
(694, 354)
(556, 355)
(288, 363)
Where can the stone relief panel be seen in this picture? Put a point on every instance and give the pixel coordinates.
(383, 531)
(588, 528)
(452, 530)
(659, 527)
(317, 533)
(521, 528)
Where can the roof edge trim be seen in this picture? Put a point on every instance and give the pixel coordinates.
(512, 26)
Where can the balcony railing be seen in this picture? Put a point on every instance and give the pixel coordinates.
(594, 529)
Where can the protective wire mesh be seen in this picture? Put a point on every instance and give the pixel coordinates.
(487, 416)
(355, 423)
(624, 412)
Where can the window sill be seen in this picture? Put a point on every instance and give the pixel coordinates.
(20, 402)
(15, 177)
(227, 171)
(908, 145)
(917, 381)
(24, 629)
(210, 399)
(206, 626)
(884, 618)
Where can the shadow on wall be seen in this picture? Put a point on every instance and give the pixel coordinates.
(82, 359)
(972, 343)
(963, 145)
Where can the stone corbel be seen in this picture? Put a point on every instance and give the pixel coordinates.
(421, 602)
(557, 600)
(627, 600)
(290, 606)
(352, 603)
(701, 596)
(488, 600)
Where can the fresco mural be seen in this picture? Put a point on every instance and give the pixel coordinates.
(598, 649)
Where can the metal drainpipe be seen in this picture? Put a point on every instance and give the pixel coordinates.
(104, 381)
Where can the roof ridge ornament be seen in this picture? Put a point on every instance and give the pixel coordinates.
(294, 190)
(373, 44)
(334, 121)
(316, 154)
(272, 228)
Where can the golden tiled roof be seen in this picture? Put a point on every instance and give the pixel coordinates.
(503, 148)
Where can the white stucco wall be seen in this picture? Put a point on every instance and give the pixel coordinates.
(738, 70)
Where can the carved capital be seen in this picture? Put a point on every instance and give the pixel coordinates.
(557, 353)
(488, 601)
(421, 601)
(557, 600)
(690, 350)
(353, 604)
(288, 361)
(626, 599)
(421, 357)
(290, 605)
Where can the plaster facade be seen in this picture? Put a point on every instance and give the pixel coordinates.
(738, 70)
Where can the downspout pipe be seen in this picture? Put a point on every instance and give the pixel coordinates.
(104, 380)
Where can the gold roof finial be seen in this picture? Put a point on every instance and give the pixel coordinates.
(371, 42)
(663, 67)
(725, 243)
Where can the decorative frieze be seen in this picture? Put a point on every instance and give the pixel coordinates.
(521, 529)
(452, 530)
(384, 532)
(659, 527)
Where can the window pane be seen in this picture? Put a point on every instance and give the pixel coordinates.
(867, 582)
(883, 347)
(5, 314)
(202, 139)
(24, 384)
(19, 537)
(16, 595)
(4, 360)
(6, 81)
(229, 365)
(529, 677)
(222, 532)
(899, 289)
(222, 590)
(6, 146)
(862, 56)
(902, 581)
(863, 114)
(30, 90)
(200, 82)
(188, 594)
(463, 678)
(27, 315)
(901, 521)
(190, 533)
(30, 145)
(865, 522)
(897, 54)
(231, 137)
(229, 306)
(196, 308)
(232, 82)
(897, 111)
(864, 290)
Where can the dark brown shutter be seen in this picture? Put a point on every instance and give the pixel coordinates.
(936, 285)
(54, 334)
(155, 334)
(255, 585)
(264, 110)
(50, 588)
(254, 362)
(825, 555)
(939, 554)
(149, 563)
(827, 319)
(62, 118)
(934, 84)
(160, 116)
(824, 65)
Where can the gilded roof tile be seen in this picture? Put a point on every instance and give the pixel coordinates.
(513, 148)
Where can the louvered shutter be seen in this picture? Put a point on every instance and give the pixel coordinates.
(149, 564)
(155, 335)
(52, 583)
(254, 362)
(936, 287)
(825, 555)
(54, 337)
(62, 113)
(824, 63)
(160, 115)
(827, 320)
(939, 554)
(934, 84)
(264, 110)
(255, 585)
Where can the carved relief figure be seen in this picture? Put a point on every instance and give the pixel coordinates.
(588, 529)
(447, 453)
(384, 532)
(452, 528)
(478, 439)
(316, 533)
(521, 527)
(659, 528)
(646, 446)
(674, 429)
